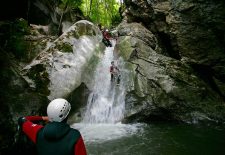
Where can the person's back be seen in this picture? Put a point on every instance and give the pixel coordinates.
(56, 137)
(114, 71)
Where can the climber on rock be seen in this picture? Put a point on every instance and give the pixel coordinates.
(106, 37)
(115, 73)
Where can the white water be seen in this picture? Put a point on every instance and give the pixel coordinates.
(93, 133)
(105, 107)
(65, 68)
(106, 102)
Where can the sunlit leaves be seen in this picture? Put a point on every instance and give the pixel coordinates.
(102, 11)
(105, 12)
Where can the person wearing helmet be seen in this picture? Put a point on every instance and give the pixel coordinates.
(56, 137)
(106, 37)
(114, 71)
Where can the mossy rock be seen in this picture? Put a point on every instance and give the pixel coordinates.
(15, 38)
(65, 48)
(41, 78)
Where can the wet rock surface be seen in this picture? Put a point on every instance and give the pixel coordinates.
(27, 85)
(163, 87)
(189, 31)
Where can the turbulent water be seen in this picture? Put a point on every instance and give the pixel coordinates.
(154, 139)
(105, 135)
(105, 107)
(106, 102)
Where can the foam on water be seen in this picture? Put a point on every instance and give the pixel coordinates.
(105, 132)
(106, 104)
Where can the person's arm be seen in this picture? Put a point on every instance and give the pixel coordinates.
(79, 148)
(29, 127)
(117, 69)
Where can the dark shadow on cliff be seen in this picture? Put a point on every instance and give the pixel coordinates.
(17, 99)
(207, 74)
(167, 45)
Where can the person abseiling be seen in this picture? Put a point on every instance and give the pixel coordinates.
(106, 38)
(57, 137)
(114, 71)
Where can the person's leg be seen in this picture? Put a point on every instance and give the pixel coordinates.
(118, 79)
(105, 42)
(112, 77)
(108, 43)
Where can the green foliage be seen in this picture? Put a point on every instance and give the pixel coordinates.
(65, 47)
(73, 4)
(16, 43)
(18, 46)
(105, 12)
(116, 19)
(41, 78)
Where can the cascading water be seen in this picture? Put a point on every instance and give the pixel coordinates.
(101, 129)
(106, 102)
(103, 134)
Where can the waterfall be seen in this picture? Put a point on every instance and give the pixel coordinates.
(106, 102)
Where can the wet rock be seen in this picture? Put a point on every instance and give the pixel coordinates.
(41, 12)
(78, 99)
(190, 31)
(58, 71)
(17, 99)
(164, 88)
(23, 41)
(61, 67)
(50, 13)
(139, 11)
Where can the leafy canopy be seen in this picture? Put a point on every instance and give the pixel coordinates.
(105, 12)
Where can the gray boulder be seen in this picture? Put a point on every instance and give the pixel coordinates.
(161, 87)
(67, 62)
(190, 31)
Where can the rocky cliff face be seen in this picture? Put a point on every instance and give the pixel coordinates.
(59, 69)
(177, 51)
(173, 48)
(19, 45)
(62, 69)
(26, 29)
(51, 14)
(17, 99)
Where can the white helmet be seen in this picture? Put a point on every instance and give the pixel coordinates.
(58, 109)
